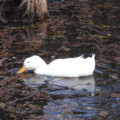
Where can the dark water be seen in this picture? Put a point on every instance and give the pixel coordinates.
(74, 28)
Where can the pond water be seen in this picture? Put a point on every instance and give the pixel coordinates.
(74, 28)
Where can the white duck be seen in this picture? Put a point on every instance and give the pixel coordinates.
(69, 67)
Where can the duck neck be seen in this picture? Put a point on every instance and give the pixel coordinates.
(43, 64)
(41, 67)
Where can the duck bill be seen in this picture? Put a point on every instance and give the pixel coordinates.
(22, 70)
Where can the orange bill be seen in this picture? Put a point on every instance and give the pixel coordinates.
(22, 70)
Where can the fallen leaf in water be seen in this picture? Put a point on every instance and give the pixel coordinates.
(115, 95)
(13, 116)
(64, 48)
(105, 26)
(40, 95)
(2, 105)
(97, 90)
(117, 59)
(104, 113)
(114, 76)
(104, 36)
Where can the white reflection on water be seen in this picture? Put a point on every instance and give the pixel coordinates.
(81, 83)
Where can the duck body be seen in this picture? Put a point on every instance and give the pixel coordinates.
(69, 67)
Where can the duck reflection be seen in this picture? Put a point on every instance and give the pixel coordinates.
(81, 83)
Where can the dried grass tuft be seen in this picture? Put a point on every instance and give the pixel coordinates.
(34, 8)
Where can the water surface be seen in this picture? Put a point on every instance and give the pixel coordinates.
(74, 28)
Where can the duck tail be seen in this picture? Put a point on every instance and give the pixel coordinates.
(93, 55)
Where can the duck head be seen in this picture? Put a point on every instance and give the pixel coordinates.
(32, 63)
